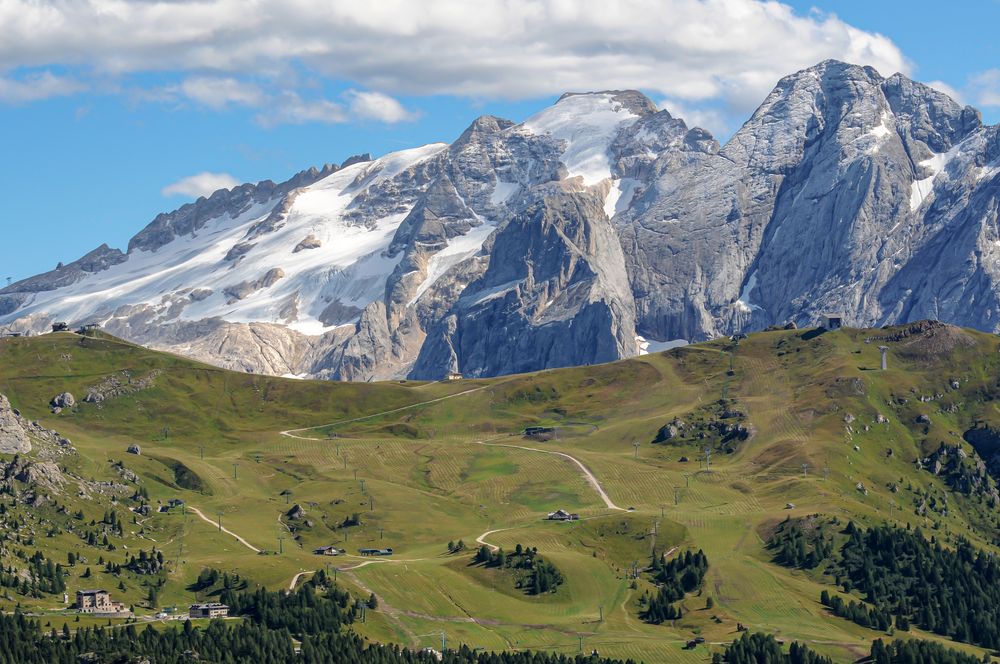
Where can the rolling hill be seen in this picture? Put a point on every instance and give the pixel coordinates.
(802, 427)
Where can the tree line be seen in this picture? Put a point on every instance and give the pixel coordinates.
(536, 575)
(674, 578)
(316, 616)
(760, 648)
(951, 592)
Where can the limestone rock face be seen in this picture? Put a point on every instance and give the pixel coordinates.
(556, 287)
(591, 231)
(13, 438)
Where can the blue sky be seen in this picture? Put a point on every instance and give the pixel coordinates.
(101, 117)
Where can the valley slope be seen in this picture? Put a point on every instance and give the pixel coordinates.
(421, 464)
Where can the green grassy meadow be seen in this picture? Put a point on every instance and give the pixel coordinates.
(423, 464)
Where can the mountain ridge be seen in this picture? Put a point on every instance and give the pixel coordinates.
(600, 221)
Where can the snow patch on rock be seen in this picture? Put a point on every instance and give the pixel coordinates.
(588, 124)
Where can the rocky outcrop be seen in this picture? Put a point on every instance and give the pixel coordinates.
(308, 242)
(237, 292)
(62, 401)
(120, 384)
(13, 438)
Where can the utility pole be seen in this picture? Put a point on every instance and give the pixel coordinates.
(687, 481)
(600, 610)
(235, 465)
(202, 448)
(355, 473)
(708, 458)
(677, 495)
(371, 503)
(220, 521)
(381, 531)
(635, 444)
(281, 547)
(661, 512)
(362, 486)
(805, 469)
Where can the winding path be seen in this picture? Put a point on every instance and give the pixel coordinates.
(225, 530)
(295, 579)
(291, 432)
(482, 538)
(586, 471)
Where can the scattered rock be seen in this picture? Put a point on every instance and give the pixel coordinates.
(309, 242)
(666, 432)
(955, 384)
(881, 419)
(848, 418)
(237, 292)
(923, 419)
(120, 384)
(296, 512)
(134, 449)
(861, 487)
(61, 401)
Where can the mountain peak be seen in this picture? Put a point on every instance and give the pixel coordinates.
(632, 100)
(588, 123)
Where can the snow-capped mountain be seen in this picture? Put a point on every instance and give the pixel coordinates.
(597, 229)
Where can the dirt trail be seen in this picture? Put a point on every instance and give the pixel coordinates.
(225, 530)
(291, 432)
(586, 471)
(295, 579)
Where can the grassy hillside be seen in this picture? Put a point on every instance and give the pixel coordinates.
(421, 464)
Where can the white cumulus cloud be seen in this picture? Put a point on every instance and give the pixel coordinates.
(290, 108)
(218, 93)
(200, 184)
(727, 52)
(377, 106)
(35, 87)
(985, 87)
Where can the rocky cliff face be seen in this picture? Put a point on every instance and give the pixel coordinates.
(562, 239)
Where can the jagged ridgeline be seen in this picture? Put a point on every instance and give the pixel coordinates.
(597, 229)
